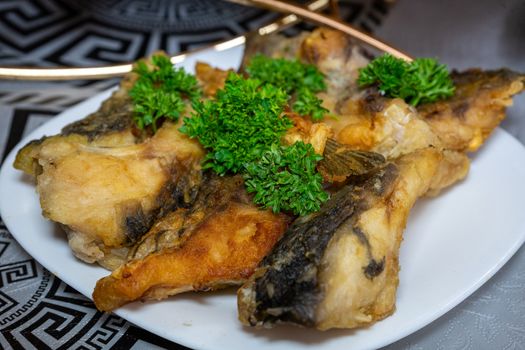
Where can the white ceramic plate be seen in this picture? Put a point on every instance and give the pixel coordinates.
(453, 244)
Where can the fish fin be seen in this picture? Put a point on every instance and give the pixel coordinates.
(341, 162)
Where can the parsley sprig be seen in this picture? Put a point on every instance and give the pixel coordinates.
(243, 121)
(423, 80)
(159, 91)
(242, 130)
(297, 79)
(285, 178)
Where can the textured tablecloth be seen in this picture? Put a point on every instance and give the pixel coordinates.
(462, 34)
(39, 311)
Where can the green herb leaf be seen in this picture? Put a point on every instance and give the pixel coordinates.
(309, 104)
(285, 178)
(295, 78)
(159, 92)
(243, 121)
(420, 81)
(426, 81)
(242, 130)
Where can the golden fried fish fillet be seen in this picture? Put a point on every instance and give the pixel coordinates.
(367, 121)
(338, 268)
(215, 243)
(464, 121)
(105, 181)
(110, 126)
(107, 197)
(145, 202)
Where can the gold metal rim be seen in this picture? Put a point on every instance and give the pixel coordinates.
(294, 14)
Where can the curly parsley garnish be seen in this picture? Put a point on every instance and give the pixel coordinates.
(159, 91)
(420, 81)
(242, 130)
(285, 178)
(242, 122)
(297, 79)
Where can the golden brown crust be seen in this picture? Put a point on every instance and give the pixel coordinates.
(428, 146)
(119, 175)
(351, 298)
(226, 247)
(464, 121)
(211, 79)
(109, 195)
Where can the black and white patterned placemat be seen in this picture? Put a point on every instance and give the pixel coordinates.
(37, 310)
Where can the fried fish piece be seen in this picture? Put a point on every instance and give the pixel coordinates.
(335, 54)
(338, 268)
(106, 182)
(467, 119)
(369, 122)
(216, 243)
(365, 120)
(390, 127)
(110, 126)
(108, 197)
(210, 78)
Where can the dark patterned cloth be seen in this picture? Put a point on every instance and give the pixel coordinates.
(37, 310)
(87, 32)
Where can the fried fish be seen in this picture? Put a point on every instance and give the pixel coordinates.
(338, 268)
(335, 268)
(142, 205)
(108, 197)
(106, 182)
(215, 243)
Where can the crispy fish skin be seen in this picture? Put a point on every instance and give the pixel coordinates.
(210, 78)
(338, 268)
(327, 273)
(221, 247)
(467, 119)
(369, 122)
(108, 197)
(372, 287)
(110, 126)
(172, 229)
(105, 182)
